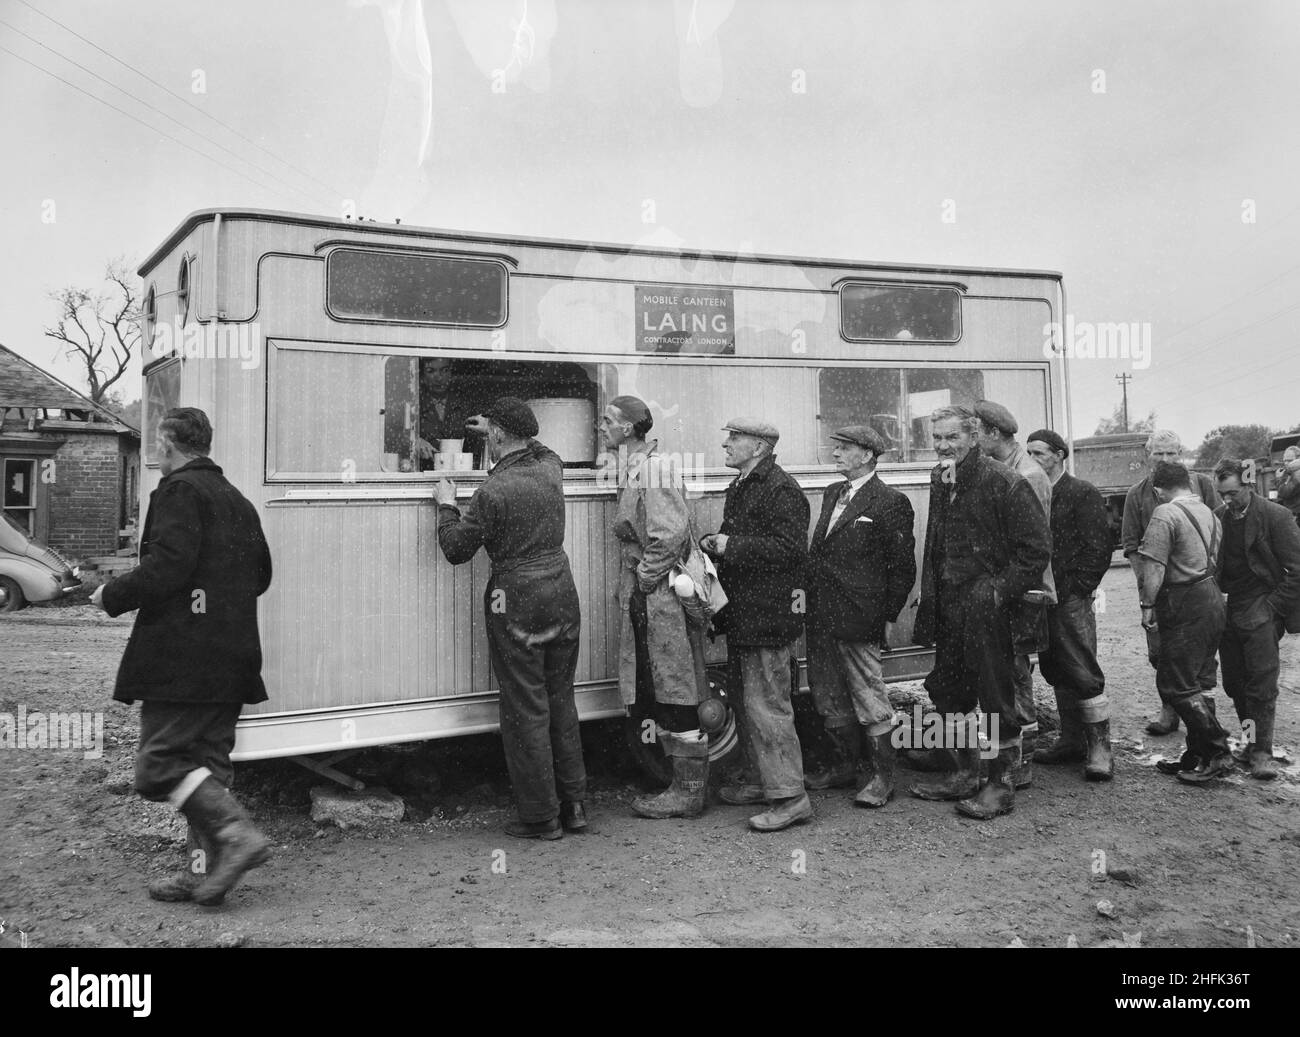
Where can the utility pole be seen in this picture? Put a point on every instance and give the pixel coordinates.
(1124, 379)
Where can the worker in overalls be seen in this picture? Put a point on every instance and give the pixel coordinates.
(531, 608)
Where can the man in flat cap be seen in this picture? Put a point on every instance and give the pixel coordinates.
(986, 543)
(531, 608)
(660, 654)
(861, 568)
(760, 550)
(1081, 549)
(998, 428)
(1140, 504)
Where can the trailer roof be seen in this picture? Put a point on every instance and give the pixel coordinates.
(274, 216)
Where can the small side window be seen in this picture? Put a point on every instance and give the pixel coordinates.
(900, 313)
(149, 316)
(183, 291)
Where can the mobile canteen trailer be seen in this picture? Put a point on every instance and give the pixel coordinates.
(302, 337)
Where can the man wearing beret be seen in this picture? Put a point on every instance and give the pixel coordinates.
(531, 608)
(986, 543)
(1140, 504)
(861, 567)
(1081, 549)
(660, 654)
(998, 428)
(761, 550)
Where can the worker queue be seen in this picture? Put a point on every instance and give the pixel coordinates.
(1014, 549)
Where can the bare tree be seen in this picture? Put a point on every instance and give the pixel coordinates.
(101, 329)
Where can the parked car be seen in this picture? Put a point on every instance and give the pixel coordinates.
(30, 571)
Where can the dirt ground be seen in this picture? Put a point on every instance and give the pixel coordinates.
(1184, 866)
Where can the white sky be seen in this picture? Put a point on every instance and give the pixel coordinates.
(1136, 194)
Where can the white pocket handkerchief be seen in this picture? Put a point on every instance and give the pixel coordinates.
(861, 518)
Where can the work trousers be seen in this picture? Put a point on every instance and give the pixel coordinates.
(846, 682)
(1190, 619)
(974, 658)
(1070, 663)
(534, 663)
(1248, 650)
(761, 679)
(671, 716)
(179, 737)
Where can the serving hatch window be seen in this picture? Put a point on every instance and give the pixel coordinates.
(900, 313)
(412, 287)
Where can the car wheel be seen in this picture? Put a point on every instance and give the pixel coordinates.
(11, 595)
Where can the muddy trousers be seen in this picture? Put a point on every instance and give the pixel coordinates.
(1070, 662)
(675, 717)
(539, 720)
(1190, 618)
(761, 678)
(974, 660)
(178, 739)
(1248, 650)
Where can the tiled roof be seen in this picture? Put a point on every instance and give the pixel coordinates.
(23, 384)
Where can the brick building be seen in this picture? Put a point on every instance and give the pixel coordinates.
(71, 468)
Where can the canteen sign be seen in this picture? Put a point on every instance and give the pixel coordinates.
(673, 319)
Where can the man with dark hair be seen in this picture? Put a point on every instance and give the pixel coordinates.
(987, 542)
(1179, 597)
(1081, 550)
(1140, 504)
(861, 567)
(530, 605)
(760, 551)
(1259, 571)
(998, 428)
(194, 658)
(660, 654)
(444, 412)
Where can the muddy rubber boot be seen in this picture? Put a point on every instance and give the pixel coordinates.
(998, 796)
(1166, 723)
(882, 771)
(932, 761)
(1094, 715)
(1069, 746)
(1022, 775)
(1198, 714)
(685, 796)
(181, 885)
(1193, 754)
(784, 813)
(238, 845)
(1262, 765)
(962, 782)
(846, 744)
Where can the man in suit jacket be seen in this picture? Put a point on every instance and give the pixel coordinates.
(1259, 570)
(194, 657)
(1081, 550)
(861, 568)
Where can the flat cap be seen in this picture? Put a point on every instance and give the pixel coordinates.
(1052, 439)
(753, 427)
(862, 435)
(513, 415)
(996, 415)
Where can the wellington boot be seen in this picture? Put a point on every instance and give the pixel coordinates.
(1022, 774)
(180, 886)
(932, 761)
(1211, 740)
(238, 845)
(998, 796)
(784, 813)
(686, 795)
(1100, 765)
(882, 769)
(962, 782)
(1069, 745)
(846, 743)
(1165, 724)
(1260, 757)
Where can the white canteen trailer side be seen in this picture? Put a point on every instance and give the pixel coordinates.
(302, 337)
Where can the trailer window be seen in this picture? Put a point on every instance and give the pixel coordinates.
(415, 288)
(162, 393)
(880, 313)
(897, 402)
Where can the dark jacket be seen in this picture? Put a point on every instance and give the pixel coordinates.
(1140, 504)
(765, 518)
(517, 515)
(1081, 543)
(1272, 541)
(860, 574)
(1009, 539)
(203, 563)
